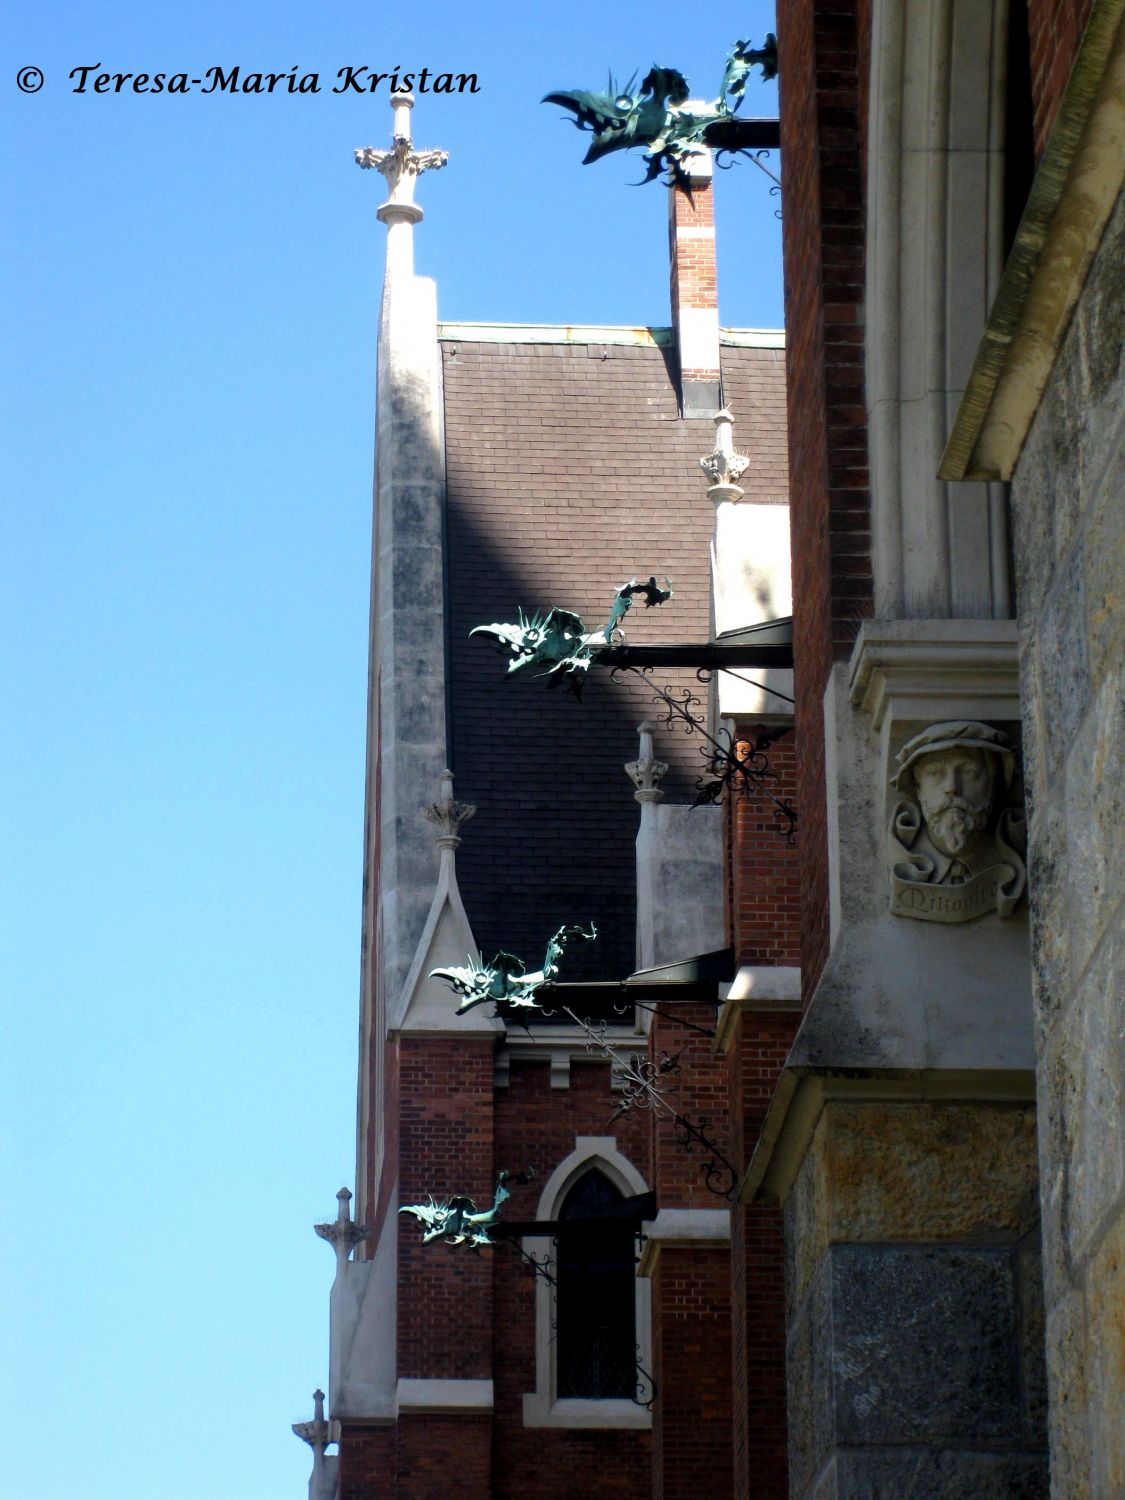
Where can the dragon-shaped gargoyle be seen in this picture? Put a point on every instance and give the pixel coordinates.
(456, 1220)
(559, 643)
(654, 117)
(505, 979)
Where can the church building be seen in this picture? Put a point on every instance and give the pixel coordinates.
(741, 1093)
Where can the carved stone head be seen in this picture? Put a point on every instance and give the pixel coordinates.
(953, 826)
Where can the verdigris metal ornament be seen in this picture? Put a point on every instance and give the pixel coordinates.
(653, 117)
(505, 980)
(558, 642)
(456, 1219)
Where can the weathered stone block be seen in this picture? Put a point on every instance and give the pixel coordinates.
(1105, 1320)
(1104, 558)
(922, 1474)
(1067, 1417)
(1095, 815)
(914, 1170)
(1050, 933)
(909, 1170)
(808, 1368)
(1084, 1066)
(1064, 667)
(923, 1345)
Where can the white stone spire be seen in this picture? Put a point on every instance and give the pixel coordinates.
(401, 166)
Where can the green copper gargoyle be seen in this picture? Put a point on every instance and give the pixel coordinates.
(654, 116)
(559, 643)
(505, 979)
(455, 1219)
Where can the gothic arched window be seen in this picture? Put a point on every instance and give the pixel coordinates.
(595, 1305)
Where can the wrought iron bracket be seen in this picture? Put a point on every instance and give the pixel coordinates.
(728, 762)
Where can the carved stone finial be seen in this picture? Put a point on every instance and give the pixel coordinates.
(448, 815)
(315, 1433)
(646, 772)
(723, 466)
(343, 1232)
(957, 838)
(401, 165)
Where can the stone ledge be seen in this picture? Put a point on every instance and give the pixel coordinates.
(802, 1093)
(418, 1395)
(682, 1229)
(614, 1413)
(763, 987)
(936, 669)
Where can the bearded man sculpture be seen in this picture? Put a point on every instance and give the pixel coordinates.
(957, 839)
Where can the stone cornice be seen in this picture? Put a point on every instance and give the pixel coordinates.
(917, 669)
(802, 1093)
(756, 987)
(683, 1229)
(1071, 198)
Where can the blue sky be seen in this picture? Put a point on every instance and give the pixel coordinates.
(191, 296)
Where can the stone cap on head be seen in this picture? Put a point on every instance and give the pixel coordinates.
(954, 734)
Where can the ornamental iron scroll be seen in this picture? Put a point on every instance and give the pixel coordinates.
(671, 129)
(730, 762)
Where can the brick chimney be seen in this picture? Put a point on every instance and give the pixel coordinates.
(695, 303)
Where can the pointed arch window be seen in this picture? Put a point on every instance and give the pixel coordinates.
(595, 1331)
(593, 1323)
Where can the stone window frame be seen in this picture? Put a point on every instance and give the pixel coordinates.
(542, 1407)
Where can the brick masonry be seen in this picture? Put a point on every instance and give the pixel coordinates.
(823, 56)
(1055, 30)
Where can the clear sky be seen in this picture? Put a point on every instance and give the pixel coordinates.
(191, 295)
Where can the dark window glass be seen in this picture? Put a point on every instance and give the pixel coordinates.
(596, 1286)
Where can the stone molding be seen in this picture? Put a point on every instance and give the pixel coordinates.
(803, 1092)
(682, 1229)
(560, 1046)
(775, 987)
(466, 1396)
(936, 669)
(1075, 188)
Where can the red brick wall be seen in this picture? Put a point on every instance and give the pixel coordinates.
(367, 1462)
(691, 1417)
(536, 1126)
(822, 49)
(763, 875)
(1055, 30)
(445, 1146)
(438, 1455)
(696, 1089)
(753, 1062)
